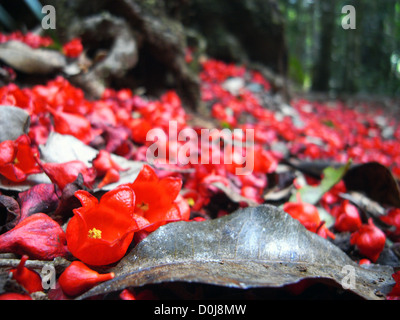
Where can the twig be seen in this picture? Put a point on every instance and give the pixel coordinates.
(58, 263)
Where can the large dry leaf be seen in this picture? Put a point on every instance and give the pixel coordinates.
(372, 178)
(253, 247)
(376, 181)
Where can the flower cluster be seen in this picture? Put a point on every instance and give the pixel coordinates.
(31, 39)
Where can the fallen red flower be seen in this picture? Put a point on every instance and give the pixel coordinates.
(395, 292)
(39, 198)
(37, 236)
(17, 159)
(308, 216)
(73, 48)
(100, 232)
(73, 124)
(157, 200)
(64, 173)
(393, 218)
(78, 278)
(106, 167)
(27, 278)
(14, 296)
(347, 217)
(370, 240)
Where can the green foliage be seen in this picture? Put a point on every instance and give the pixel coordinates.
(364, 60)
(331, 176)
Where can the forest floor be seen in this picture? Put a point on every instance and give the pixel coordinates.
(79, 169)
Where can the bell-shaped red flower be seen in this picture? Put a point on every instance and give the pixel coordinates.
(157, 199)
(78, 278)
(37, 236)
(17, 159)
(370, 240)
(100, 232)
(308, 216)
(27, 278)
(347, 217)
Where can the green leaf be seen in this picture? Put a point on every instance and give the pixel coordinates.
(331, 176)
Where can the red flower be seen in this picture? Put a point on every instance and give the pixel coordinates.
(347, 217)
(14, 296)
(106, 167)
(17, 159)
(42, 197)
(264, 160)
(37, 236)
(364, 261)
(139, 128)
(100, 232)
(27, 278)
(129, 294)
(78, 278)
(308, 216)
(73, 48)
(395, 292)
(393, 218)
(369, 240)
(73, 124)
(157, 200)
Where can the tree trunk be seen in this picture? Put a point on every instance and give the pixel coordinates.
(322, 72)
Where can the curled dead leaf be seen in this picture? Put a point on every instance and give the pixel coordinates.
(234, 251)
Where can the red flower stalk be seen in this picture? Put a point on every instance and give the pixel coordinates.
(27, 278)
(308, 216)
(157, 199)
(370, 240)
(17, 159)
(37, 236)
(347, 217)
(64, 173)
(100, 232)
(78, 278)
